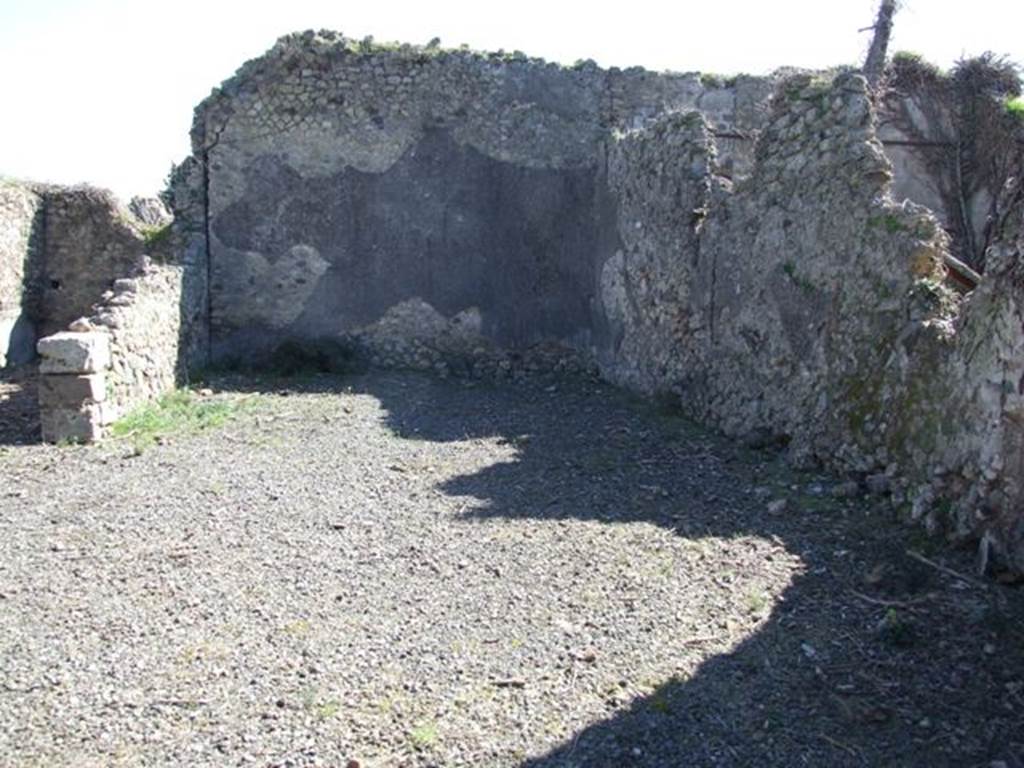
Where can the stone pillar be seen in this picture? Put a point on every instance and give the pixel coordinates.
(72, 386)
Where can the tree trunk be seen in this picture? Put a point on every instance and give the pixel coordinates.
(874, 64)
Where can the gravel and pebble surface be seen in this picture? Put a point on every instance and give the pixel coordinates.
(395, 570)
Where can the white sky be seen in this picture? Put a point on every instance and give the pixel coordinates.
(103, 90)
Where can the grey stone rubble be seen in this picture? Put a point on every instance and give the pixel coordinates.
(406, 571)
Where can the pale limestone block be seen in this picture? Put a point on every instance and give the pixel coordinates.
(71, 352)
(60, 391)
(84, 425)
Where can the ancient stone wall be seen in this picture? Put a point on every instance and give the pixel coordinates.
(745, 245)
(188, 248)
(804, 307)
(952, 142)
(117, 294)
(91, 240)
(344, 180)
(756, 248)
(977, 464)
(142, 315)
(661, 177)
(61, 248)
(20, 268)
(127, 352)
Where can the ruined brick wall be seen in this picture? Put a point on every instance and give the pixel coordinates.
(91, 240)
(188, 249)
(953, 143)
(118, 301)
(143, 317)
(128, 351)
(661, 176)
(345, 180)
(20, 270)
(805, 306)
(61, 248)
(744, 246)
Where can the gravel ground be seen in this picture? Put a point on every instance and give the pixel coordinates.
(394, 570)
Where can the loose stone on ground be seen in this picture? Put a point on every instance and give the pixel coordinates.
(397, 570)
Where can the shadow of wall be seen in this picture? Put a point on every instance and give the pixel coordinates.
(862, 660)
(867, 657)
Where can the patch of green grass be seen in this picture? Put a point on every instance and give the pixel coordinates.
(314, 704)
(799, 280)
(756, 601)
(712, 80)
(327, 709)
(897, 630)
(156, 235)
(177, 412)
(660, 704)
(298, 627)
(920, 540)
(888, 222)
(1015, 107)
(913, 59)
(424, 736)
(910, 67)
(809, 503)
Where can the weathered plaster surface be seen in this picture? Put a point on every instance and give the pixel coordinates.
(343, 181)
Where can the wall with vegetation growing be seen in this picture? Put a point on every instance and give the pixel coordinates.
(757, 247)
(111, 296)
(805, 306)
(128, 351)
(954, 139)
(61, 248)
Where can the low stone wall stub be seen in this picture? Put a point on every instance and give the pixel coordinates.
(73, 386)
(126, 353)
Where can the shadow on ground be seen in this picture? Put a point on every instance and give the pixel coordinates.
(19, 406)
(870, 657)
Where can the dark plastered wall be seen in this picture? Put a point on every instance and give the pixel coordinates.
(446, 224)
(345, 180)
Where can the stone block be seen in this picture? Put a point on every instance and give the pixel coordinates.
(84, 425)
(68, 391)
(70, 352)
